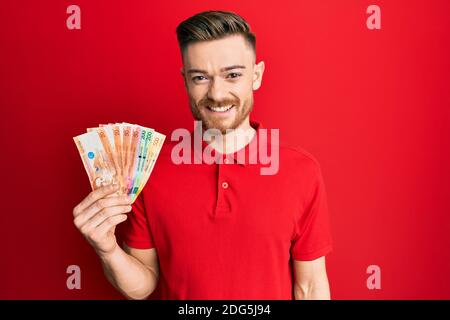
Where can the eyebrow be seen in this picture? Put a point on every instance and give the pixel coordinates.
(221, 70)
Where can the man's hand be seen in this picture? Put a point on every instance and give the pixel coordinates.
(97, 216)
(134, 273)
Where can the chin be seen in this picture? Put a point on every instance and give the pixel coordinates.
(223, 126)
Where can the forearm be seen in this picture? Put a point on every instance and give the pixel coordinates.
(313, 290)
(128, 275)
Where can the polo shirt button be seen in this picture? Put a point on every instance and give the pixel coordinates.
(225, 185)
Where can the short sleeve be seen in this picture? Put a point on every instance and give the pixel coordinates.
(136, 231)
(312, 236)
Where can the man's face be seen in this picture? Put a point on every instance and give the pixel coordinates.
(220, 77)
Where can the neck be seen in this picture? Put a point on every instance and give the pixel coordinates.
(235, 139)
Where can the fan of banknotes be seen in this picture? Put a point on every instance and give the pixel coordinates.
(119, 153)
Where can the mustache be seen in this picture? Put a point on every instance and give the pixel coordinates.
(212, 103)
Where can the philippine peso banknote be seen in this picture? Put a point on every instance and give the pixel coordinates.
(119, 153)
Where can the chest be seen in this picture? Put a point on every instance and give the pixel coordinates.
(197, 207)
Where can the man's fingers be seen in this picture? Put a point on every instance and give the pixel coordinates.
(94, 196)
(103, 215)
(109, 223)
(99, 205)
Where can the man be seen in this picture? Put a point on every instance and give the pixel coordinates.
(220, 230)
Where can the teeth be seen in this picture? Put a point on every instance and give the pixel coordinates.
(220, 109)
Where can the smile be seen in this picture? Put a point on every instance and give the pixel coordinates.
(220, 109)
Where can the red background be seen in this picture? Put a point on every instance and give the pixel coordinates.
(371, 105)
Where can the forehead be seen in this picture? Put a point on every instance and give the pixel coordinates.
(218, 53)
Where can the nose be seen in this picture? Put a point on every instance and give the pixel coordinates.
(217, 90)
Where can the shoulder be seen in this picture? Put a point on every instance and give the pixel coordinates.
(300, 158)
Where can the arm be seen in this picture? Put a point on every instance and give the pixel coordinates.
(311, 281)
(135, 272)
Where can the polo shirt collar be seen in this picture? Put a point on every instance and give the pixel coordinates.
(244, 156)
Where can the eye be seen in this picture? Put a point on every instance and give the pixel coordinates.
(198, 78)
(234, 75)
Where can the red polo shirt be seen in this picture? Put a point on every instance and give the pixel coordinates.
(224, 231)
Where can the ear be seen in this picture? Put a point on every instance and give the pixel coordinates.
(258, 74)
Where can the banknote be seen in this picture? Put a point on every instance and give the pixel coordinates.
(119, 153)
(153, 152)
